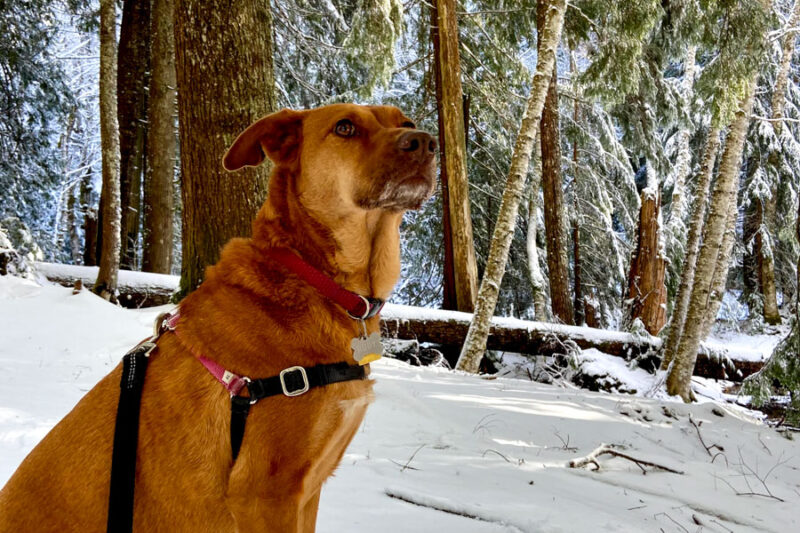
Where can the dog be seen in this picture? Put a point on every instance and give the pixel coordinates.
(343, 176)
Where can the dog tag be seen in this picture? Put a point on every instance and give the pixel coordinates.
(366, 350)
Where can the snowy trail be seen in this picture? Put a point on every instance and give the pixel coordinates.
(445, 452)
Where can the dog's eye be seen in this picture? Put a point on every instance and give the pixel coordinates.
(408, 124)
(345, 128)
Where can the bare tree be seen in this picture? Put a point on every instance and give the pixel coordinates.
(106, 284)
(475, 342)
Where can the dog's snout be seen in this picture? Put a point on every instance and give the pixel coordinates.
(418, 143)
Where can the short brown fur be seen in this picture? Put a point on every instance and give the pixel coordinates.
(337, 201)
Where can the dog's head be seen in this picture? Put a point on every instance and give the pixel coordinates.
(344, 156)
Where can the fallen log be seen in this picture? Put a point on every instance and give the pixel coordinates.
(447, 329)
(136, 289)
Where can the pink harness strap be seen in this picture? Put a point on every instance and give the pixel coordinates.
(232, 382)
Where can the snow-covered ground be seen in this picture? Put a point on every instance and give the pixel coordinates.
(446, 452)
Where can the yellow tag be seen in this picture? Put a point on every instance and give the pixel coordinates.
(367, 359)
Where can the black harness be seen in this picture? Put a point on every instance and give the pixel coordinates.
(291, 382)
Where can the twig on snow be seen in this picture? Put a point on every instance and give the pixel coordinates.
(406, 466)
(605, 449)
(707, 447)
(673, 521)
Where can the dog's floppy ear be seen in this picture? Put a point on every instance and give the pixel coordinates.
(277, 136)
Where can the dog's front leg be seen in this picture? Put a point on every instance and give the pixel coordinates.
(272, 504)
(309, 513)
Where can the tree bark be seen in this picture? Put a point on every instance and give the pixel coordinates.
(534, 270)
(161, 148)
(679, 378)
(89, 221)
(554, 197)
(578, 302)
(106, 284)
(765, 213)
(779, 93)
(132, 81)
(475, 342)
(225, 82)
(449, 298)
(684, 160)
(720, 279)
(647, 292)
(455, 191)
(692, 247)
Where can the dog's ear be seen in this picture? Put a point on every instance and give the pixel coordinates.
(276, 136)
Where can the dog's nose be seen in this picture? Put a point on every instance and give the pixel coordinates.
(418, 143)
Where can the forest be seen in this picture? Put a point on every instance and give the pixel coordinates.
(619, 182)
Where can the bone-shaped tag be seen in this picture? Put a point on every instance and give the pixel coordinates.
(366, 350)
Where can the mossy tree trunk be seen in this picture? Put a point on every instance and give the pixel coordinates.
(692, 246)
(679, 377)
(475, 342)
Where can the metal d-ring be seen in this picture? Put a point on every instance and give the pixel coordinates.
(368, 307)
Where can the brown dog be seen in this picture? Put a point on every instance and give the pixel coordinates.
(344, 175)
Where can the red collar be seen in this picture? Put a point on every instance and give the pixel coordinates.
(357, 306)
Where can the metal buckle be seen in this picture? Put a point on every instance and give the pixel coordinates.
(282, 379)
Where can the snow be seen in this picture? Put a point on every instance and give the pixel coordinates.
(444, 451)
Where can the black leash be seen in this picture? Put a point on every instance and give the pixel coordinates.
(126, 436)
(291, 382)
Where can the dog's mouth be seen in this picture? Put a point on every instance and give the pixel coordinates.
(401, 191)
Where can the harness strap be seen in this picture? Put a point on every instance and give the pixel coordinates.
(126, 435)
(291, 382)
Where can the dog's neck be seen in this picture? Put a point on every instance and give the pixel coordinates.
(359, 250)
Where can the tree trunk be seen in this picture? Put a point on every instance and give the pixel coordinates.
(455, 188)
(161, 148)
(679, 378)
(779, 93)
(72, 227)
(106, 284)
(534, 270)
(766, 267)
(132, 80)
(692, 247)
(720, 280)
(475, 342)
(684, 160)
(647, 292)
(449, 298)
(225, 82)
(553, 194)
(89, 221)
(578, 303)
(762, 247)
